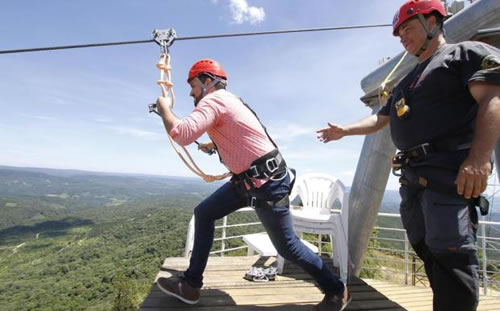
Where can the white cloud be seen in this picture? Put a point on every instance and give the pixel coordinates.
(291, 132)
(39, 117)
(134, 132)
(242, 12)
(102, 119)
(318, 154)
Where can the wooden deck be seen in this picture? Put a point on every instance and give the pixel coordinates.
(226, 290)
(419, 298)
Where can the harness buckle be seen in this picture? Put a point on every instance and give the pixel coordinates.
(272, 165)
(426, 148)
(253, 171)
(398, 160)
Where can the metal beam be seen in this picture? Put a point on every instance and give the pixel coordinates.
(367, 191)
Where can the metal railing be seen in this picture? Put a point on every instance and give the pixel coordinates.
(384, 242)
(389, 249)
(221, 231)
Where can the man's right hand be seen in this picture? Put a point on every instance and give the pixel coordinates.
(332, 132)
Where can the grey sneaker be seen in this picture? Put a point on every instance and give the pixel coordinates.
(180, 289)
(334, 302)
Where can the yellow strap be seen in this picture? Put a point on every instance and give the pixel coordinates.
(167, 90)
(383, 94)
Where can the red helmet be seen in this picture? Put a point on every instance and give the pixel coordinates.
(414, 7)
(206, 65)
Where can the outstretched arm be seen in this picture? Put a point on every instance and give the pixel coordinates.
(472, 178)
(364, 126)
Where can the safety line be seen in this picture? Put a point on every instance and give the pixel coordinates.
(193, 38)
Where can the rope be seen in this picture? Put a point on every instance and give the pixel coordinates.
(166, 85)
(383, 93)
(63, 47)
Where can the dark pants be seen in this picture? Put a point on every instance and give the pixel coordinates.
(442, 230)
(277, 221)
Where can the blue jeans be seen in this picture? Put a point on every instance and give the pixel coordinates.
(277, 221)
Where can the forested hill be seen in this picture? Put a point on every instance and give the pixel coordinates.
(35, 194)
(81, 184)
(72, 240)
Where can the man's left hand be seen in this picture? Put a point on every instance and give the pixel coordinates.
(472, 178)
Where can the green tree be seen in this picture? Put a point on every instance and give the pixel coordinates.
(127, 296)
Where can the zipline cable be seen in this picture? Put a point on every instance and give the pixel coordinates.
(78, 46)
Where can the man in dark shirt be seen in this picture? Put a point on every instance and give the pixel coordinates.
(445, 119)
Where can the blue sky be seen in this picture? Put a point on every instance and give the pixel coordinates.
(87, 108)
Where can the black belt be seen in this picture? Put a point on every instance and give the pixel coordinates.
(402, 158)
(427, 148)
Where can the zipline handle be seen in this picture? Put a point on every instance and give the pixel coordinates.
(153, 108)
(164, 38)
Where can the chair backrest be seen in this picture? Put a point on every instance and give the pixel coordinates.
(315, 190)
(320, 191)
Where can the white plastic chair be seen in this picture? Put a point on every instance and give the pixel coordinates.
(318, 193)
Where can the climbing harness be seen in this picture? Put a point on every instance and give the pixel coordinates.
(413, 179)
(410, 177)
(269, 165)
(165, 39)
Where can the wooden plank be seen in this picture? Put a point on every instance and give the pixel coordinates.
(289, 307)
(260, 294)
(226, 290)
(419, 298)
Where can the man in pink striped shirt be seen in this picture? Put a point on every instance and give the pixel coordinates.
(260, 176)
